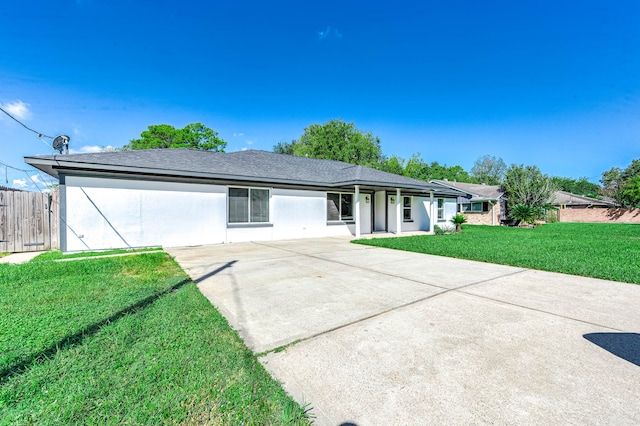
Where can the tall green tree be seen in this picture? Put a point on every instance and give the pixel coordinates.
(629, 194)
(393, 164)
(284, 147)
(336, 140)
(623, 185)
(489, 170)
(194, 136)
(527, 186)
(580, 186)
(611, 180)
(417, 168)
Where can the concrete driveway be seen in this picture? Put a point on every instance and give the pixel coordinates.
(379, 336)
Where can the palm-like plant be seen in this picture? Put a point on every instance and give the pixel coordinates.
(458, 220)
(524, 213)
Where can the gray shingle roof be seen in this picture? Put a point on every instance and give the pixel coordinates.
(493, 192)
(569, 199)
(250, 165)
(477, 191)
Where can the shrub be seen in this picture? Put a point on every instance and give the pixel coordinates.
(524, 213)
(458, 220)
(437, 230)
(551, 216)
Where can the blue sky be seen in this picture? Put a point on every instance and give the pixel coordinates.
(555, 84)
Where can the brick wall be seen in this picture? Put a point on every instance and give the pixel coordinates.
(613, 215)
(484, 218)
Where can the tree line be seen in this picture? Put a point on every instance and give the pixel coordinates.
(342, 141)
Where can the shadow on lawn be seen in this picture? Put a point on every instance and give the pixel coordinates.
(623, 345)
(77, 338)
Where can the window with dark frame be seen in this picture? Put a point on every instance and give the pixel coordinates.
(476, 206)
(248, 205)
(440, 209)
(339, 206)
(406, 209)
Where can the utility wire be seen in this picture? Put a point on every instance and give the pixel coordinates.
(14, 168)
(6, 166)
(40, 135)
(59, 216)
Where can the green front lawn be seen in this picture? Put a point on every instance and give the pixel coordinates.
(608, 251)
(57, 254)
(125, 340)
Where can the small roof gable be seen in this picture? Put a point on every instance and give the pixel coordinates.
(478, 192)
(249, 165)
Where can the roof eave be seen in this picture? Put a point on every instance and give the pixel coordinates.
(54, 167)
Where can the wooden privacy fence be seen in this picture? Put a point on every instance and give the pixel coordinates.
(28, 221)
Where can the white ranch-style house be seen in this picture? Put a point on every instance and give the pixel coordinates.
(182, 197)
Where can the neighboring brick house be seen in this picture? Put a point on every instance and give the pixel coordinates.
(566, 200)
(482, 204)
(485, 205)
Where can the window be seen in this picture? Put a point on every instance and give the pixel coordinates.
(406, 209)
(339, 206)
(440, 209)
(248, 205)
(474, 207)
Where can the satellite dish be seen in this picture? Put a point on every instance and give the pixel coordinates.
(61, 143)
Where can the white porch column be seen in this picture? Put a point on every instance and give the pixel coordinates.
(398, 213)
(431, 211)
(357, 212)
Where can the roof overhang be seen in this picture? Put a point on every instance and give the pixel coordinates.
(58, 166)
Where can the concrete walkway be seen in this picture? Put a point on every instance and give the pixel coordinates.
(379, 336)
(20, 257)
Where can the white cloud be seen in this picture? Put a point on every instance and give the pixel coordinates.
(20, 183)
(90, 149)
(32, 183)
(238, 134)
(244, 149)
(18, 109)
(329, 33)
(249, 142)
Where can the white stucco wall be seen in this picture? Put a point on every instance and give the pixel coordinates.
(391, 211)
(419, 215)
(295, 214)
(113, 213)
(450, 210)
(106, 213)
(298, 214)
(365, 213)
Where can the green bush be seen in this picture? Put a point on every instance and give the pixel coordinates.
(524, 213)
(437, 230)
(458, 220)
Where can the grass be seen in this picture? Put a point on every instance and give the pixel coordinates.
(57, 254)
(607, 251)
(125, 340)
(3, 254)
